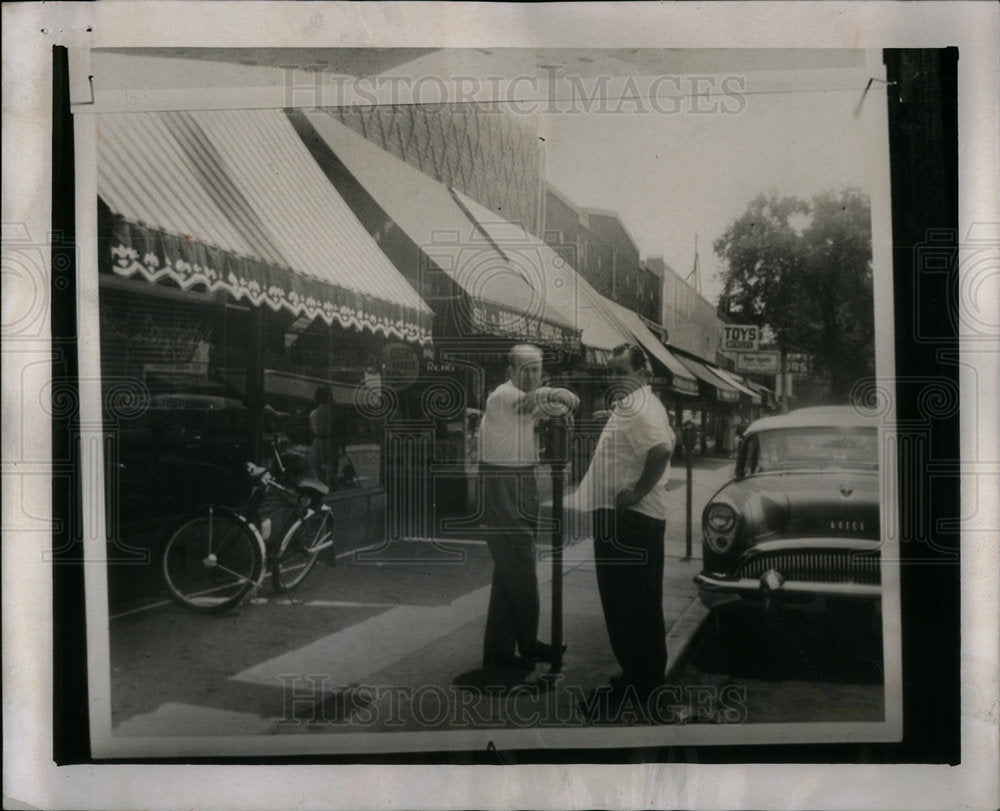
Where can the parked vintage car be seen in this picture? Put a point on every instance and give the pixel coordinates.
(183, 449)
(800, 519)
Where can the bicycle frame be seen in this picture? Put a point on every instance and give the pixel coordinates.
(327, 514)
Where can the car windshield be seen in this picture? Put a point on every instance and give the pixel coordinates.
(811, 448)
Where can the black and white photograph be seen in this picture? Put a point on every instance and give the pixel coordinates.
(428, 424)
(424, 399)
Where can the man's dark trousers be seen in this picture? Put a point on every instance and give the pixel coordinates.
(628, 551)
(510, 503)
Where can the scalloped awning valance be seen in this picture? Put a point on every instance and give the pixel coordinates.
(231, 200)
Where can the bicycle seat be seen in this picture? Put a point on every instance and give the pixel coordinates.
(313, 484)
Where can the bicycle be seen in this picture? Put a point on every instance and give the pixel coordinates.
(218, 557)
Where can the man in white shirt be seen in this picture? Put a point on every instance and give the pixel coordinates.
(509, 456)
(625, 487)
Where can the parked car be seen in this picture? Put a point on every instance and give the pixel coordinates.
(800, 519)
(184, 449)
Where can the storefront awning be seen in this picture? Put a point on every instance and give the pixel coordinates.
(729, 377)
(232, 200)
(604, 324)
(500, 281)
(720, 389)
(562, 287)
(682, 380)
(766, 395)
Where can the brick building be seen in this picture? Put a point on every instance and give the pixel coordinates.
(604, 252)
(691, 321)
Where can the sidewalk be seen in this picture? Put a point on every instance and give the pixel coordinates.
(418, 690)
(398, 667)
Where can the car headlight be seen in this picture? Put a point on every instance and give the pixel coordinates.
(721, 517)
(720, 528)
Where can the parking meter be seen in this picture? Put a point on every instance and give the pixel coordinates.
(689, 436)
(556, 444)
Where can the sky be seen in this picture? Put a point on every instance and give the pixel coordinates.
(672, 177)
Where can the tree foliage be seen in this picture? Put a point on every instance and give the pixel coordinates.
(804, 270)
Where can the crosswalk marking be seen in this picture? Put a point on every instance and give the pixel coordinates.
(353, 653)
(348, 656)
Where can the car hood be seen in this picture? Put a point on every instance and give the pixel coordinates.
(835, 504)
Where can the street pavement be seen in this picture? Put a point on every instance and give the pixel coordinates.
(386, 641)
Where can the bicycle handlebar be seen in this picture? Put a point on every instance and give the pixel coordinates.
(268, 480)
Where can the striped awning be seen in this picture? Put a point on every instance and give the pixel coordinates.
(498, 280)
(728, 376)
(716, 387)
(232, 200)
(604, 324)
(767, 397)
(555, 279)
(682, 379)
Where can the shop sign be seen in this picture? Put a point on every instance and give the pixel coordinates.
(498, 321)
(797, 364)
(762, 363)
(736, 337)
(400, 365)
(157, 337)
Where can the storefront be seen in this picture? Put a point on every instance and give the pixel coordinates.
(715, 410)
(487, 295)
(604, 325)
(234, 284)
(750, 399)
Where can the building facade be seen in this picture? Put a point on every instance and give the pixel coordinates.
(691, 321)
(480, 149)
(604, 252)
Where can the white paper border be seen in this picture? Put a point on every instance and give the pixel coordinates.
(29, 774)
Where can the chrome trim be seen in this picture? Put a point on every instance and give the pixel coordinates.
(749, 585)
(835, 567)
(818, 544)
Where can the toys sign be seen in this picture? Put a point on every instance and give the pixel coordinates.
(737, 338)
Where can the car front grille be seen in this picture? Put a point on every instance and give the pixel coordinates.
(841, 566)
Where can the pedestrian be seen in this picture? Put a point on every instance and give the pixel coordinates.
(323, 455)
(509, 457)
(625, 489)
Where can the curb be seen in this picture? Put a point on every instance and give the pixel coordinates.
(682, 634)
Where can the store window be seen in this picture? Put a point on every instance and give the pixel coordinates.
(191, 394)
(176, 432)
(308, 366)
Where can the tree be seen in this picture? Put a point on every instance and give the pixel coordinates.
(804, 270)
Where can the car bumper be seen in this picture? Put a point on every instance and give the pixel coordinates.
(717, 591)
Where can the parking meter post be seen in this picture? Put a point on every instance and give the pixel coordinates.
(689, 434)
(687, 533)
(558, 453)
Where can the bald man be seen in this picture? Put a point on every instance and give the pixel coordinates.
(509, 458)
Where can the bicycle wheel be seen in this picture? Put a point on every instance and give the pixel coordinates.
(300, 548)
(212, 562)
